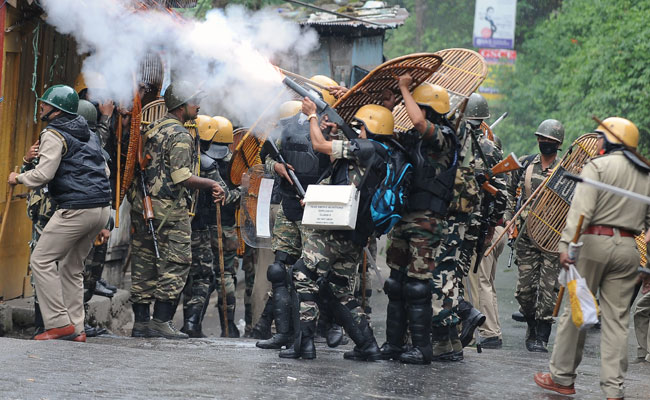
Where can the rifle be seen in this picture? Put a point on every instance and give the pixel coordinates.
(147, 207)
(321, 107)
(512, 238)
(510, 163)
(501, 118)
(275, 153)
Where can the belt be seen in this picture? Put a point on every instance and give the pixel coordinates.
(606, 231)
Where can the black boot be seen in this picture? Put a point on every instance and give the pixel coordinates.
(233, 332)
(142, 319)
(471, 319)
(107, 285)
(419, 314)
(395, 343)
(366, 348)
(303, 346)
(456, 345)
(39, 325)
(101, 290)
(541, 339)
(161, 325)
(192, 321)
(282, 309)
(334, 335)
(518, 316)
(531, 333)
(262, 329)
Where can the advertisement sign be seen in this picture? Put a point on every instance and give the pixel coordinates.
(494, 24)
(497, 60)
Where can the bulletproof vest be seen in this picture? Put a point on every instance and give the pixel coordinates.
(373, 157)
(80, 181)
(431, 188)
(308, 165)
(212, 162)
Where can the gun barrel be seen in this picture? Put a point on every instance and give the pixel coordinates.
(295, 86)
(155, 239)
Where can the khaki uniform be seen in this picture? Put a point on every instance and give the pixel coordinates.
(608, 264)
(57, 259)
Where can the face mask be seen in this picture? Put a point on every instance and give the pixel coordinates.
(474, 123)
(548, 148)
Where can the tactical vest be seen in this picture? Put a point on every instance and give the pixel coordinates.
(213, 162)
(80, 181)
(308, 165)
(431, 188)
(372, 156)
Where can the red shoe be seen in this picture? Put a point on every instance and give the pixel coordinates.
(545, 381)
(66, 332)
(80, 338)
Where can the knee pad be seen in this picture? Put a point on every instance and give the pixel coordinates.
(276, 273)
(285, 258)
(393, 289)
(418, 291)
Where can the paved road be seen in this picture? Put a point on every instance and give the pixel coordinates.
(119, 367)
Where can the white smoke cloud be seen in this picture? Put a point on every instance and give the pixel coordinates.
(226, 54)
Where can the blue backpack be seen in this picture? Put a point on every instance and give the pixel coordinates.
(388, 203)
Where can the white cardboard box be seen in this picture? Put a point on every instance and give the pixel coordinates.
(331, 207)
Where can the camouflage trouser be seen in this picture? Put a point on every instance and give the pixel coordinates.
(538, 272)
(205, 274)
(331, 255)
(449, 273)
(287, 236)
(415, 244)
(159, 279)
(358, 290)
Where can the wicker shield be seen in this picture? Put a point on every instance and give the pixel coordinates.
(547, 215)
(250, 187)
(153, 112)
(128, 171)
(461, 73)
(368, 91)
(643, 250)
(246, 155)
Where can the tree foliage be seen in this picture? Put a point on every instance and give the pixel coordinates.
(588, 58)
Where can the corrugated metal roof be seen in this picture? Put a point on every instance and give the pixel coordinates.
(375, 15)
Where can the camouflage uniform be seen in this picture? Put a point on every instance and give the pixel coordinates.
(172, 161)
(414, 247)
(205, 275)
(538, 270)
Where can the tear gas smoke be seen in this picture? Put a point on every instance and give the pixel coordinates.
(226, 55)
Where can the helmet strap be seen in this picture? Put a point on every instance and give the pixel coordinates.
(46, 117)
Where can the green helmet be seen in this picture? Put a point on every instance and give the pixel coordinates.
(62, 97)
(179, 93)
(87, 110)
(477, 107)
(551, 129)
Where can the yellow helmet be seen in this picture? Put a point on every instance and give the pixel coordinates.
(434, 96)
(290, 108)
(207, 127)
(377, 119)
(224, 130)
(325, 81)
(97, 80)
(623, 128)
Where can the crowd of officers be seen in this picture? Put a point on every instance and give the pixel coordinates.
(316, 282)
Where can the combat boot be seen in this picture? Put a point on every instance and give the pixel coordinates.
(541, 339)
(192, 321)
(303, 345)
(282, 310)
(471, 319)
(442, 350)
(39, 325)
(531, 333)
(456, 345)
(108, 286)
(142, 319)
(395, 343)
(101, 290)
(418, 295)
(161, 325)
(233, 331)
(518, 316)
(262, 329)
(334, 335)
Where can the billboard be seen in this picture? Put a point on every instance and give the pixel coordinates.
(494, 24)
(497, 60)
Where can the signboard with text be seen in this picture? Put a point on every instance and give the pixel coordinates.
(494, 24)
(497, 60)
